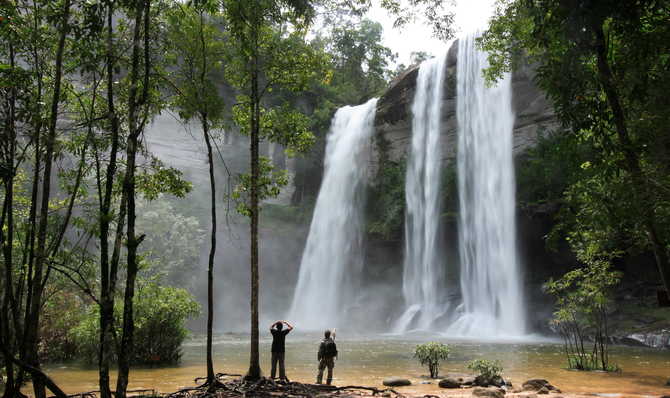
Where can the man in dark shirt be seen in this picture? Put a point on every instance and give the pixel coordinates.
(326, 356)
(278, 339)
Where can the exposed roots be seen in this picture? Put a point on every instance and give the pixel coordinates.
(268, 388)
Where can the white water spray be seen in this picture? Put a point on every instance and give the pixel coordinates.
(422, 271)
(490, 274)
(333, 257)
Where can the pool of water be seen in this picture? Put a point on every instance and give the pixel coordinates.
(366, 360)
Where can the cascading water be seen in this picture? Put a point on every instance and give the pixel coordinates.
(490, 275)
(422, 272)
(333, 257)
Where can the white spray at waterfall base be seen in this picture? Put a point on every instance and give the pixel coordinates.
(333, 257)
(423, 264)
(490, 273)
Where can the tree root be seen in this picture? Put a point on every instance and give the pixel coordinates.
(268, 388)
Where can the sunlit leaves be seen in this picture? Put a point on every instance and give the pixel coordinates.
(157, 179)
(270, 183)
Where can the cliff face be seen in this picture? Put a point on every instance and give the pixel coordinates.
(393, 122)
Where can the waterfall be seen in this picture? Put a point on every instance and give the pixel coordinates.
(423, 265)
(333, 257)
(490, 273)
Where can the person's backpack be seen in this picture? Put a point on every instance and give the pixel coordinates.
(329, 348)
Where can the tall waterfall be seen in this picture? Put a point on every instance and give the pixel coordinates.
(423, 259)
(333, 258)
(490, 272)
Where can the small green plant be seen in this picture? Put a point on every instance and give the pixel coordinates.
(431, 355)
(485, 368)
(583, 301)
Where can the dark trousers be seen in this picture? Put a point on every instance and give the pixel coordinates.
(323, 364)
(278, 357)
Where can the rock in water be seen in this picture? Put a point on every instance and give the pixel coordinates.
(449, 382)
(488, 392)
(538, 385)
(396, 382)
(495, 381)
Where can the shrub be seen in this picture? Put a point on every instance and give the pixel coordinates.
(60, 313)
(431, 355)
(160, 316)
(583, 300)
(485, 368)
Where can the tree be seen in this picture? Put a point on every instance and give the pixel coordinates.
(360, 61)
(583, 298)
(267, 56)
(197, 52)
(601, 63)
(431, 355)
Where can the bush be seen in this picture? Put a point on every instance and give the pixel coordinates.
(160, 316)
(431, 355)
(583, 301)
(485, 368)
(60, 313)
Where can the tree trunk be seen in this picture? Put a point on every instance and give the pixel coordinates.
(632, 161)
(107, 277)
(142, 11)
(212, 251)
(254, 371)
(32, 326)
(9, 308)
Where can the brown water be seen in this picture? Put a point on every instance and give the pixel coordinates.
(367, 360)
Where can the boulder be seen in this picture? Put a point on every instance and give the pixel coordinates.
(468, 381)
(396, 382)
(488, 392)
(543, 390)
(449, 382)
(495, 381)
(538, 385)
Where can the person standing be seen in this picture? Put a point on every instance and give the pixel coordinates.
(278, 339)
(326, 356)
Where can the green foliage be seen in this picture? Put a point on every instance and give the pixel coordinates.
(386, 204)
(63, 310)
(545, 171)
(269, 185)
(173, 241)
(486, 368)
(157, 179)
(160, 316)
(196, 47)
(281, 124)
(432, 355)
(583, 301)
(360, 61)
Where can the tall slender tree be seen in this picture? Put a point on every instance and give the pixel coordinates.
(267, 56)
(196, 45)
